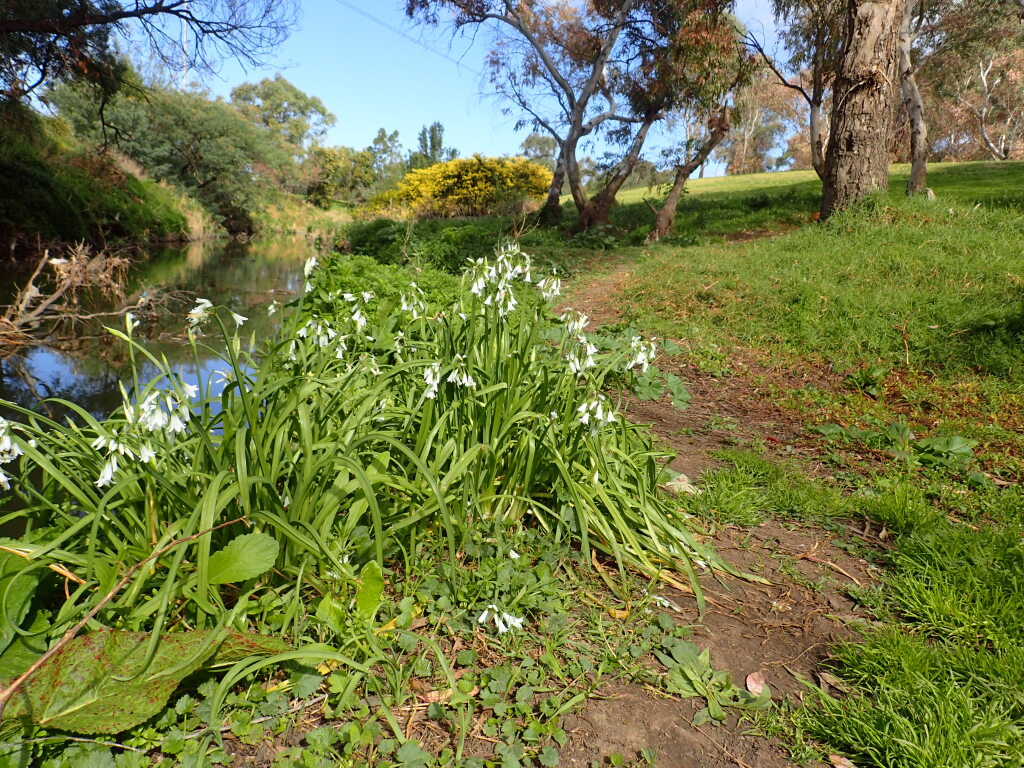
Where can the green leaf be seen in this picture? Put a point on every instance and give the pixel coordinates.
(25, 649)
(239, 645)
(245, 557)
(548, 757)
(371, 587)
(305, 682)
(412, 755)
(18, 581)
(101, 682)
(677, 391)
(648, 387)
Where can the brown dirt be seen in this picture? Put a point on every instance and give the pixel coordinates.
(591, 297)
(782, 629)
(731, 409)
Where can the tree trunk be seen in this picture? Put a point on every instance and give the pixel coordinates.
(817, 143)
(863, 98)
(915, 106)
(596, 210)
(551, 213)
(665, 218)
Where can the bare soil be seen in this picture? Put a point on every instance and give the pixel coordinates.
(782, 630)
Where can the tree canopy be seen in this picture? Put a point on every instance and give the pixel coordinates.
(611, 68)
(296, 117)
(45, 40)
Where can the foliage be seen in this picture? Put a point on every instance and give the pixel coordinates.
(108, 681)
(297, 118)
(473, 186)
(764, 112)
(341, 173)
(540, 149)
(431, 149)
(689, 674)
(206, 147)
(269, 502)
(53, 187)
(45, 41)
(609, 69)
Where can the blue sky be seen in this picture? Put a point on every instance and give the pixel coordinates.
(371, 77)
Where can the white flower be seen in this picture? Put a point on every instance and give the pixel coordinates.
(358, 319)
(580, 360)
(348, 296)
(175, 425)
(309, 266)
(239, 319)
(513, 555)
(190, 390)
(130, 322)
(367, 296)
(432, 376)
(107, 473)
(643, 354)
(5, 481)
(146, 454)
(575, 322)
(272, 308)
(595, 413)
(503, 622)
(9, 450)
(199, 313)
(550, 287)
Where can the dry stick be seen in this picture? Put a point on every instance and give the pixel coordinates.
(68, 636)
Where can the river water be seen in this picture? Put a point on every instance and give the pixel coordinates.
(245, 278)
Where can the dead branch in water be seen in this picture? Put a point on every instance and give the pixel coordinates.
(39, 312)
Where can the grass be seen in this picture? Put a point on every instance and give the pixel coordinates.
(883, 284)
(920, 303)
(392, 536)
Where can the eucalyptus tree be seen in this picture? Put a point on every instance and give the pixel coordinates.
(612, 68)
(864, 93)
(812, 33)
(294, 116)
(45, 40)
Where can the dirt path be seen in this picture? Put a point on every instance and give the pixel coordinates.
(782, 629)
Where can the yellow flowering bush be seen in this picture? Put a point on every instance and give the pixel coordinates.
(473, 186)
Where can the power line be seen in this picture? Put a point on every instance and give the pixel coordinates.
(401, 33)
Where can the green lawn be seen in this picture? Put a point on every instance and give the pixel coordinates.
(922, 302)
(777, 201)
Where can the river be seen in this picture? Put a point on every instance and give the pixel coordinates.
(245, 278)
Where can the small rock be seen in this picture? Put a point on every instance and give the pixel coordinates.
(682, 484)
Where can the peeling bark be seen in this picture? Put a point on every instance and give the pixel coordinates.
(551, 213)
(595, 211)
(914, 105)
(858, 150)
(665, 218)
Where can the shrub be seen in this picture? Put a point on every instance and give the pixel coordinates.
(473, 186)
(52, 188)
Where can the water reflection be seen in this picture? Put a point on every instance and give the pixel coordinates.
(243, 277)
